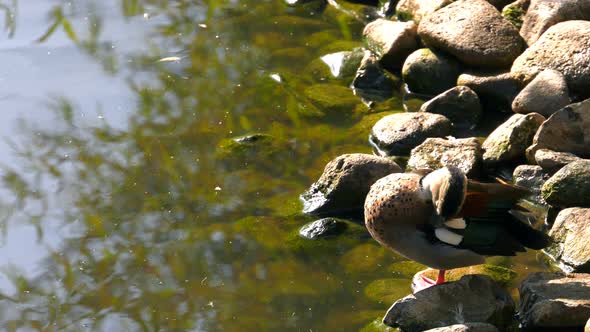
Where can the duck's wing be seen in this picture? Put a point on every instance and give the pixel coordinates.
(492, 226)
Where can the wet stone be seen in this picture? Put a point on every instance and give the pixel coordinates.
(322, 228)
(372, 81)
(474, 298)
(554, 301)
(344, 184)
(434, 153)
(509, 141)
(343, 64)
(459, 104)
(398, 134)
(457, 30)
(552, 161)
(570, 233)
(531, 177)
(545, 94)
(392, 41)
(430, 72)
(570, 186)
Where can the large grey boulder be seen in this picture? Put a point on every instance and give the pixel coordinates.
(417, 9)
(543, 14)
(344, 184)
(435, 153)
(563, 47)
(391, 41)
(509, 141)
(567, 130)
(467, 327)
(554, 301)
(397, 134)
(474, 298)
(570, 186)
(552, 161)
(496, 88)
(457, 29)
(429, 72)
(570, 233)
(545, 94)
(460, 104)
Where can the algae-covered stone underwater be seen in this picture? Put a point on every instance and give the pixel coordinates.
(153, 158)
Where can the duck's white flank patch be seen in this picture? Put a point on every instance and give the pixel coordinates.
(447, 236)
(456, 223)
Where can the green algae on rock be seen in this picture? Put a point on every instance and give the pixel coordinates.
(501, 275)
(387, 290)
(570, 186)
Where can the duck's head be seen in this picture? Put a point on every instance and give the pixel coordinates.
(447, 187)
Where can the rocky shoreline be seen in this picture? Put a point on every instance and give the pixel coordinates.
(517, 74)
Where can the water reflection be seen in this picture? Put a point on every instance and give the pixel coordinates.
(153, 165)
(147, 214)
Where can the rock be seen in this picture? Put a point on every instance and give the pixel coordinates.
(587, 327)
(554, 300)
(391, 41)
(563, 47)
(377, 326)
(467, 327)
(474, 298)
(510, 140)
(372, 80)
(567, 130)
(458, 30)
(552, 161)
(459, 104)
(570, 186)
(398, 134)
(346, 180)
(499, 274)
(343, 64)
(331, 98)
(531, 177)
(435, 153)
(515, 11)
(416, 9)
(570, 233)
(543, 14)
(322, 228)
(495, 88)
(430, 73)
(545, 94)
(387, 290)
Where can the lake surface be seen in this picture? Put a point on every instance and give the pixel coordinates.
(125, 204)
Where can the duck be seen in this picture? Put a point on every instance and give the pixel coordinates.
(444, 220)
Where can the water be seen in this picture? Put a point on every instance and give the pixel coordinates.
(125, 204)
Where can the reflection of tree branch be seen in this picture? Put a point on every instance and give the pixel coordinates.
(10, 12)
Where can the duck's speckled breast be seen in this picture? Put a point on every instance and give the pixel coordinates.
(395, 203)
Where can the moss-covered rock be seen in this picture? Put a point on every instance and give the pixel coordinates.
(502, 275)
(332, 98)
(387, 290)
(570, 186)
(435, 153)
(460, 104)
(510, 140)
(377, 326)
(570, 233)
(515, 11)
(365, 258)
(405, 269)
